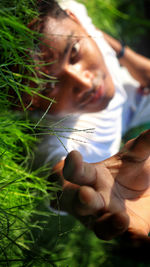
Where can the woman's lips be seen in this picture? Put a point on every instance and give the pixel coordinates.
(100, 91)
(93, 95)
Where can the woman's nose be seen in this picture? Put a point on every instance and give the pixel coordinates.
(81, 78)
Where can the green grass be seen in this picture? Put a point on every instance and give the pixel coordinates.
(103, 13)
(121, 19)
(21, 190)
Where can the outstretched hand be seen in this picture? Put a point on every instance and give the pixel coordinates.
(112, 197)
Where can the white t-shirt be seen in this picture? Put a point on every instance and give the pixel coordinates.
(96, 136)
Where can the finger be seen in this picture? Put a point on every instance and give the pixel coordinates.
(140, 147)
(77, 171)
(80, 201)
(88, 201)
(111, 225)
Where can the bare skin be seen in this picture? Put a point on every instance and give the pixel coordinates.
(113, 196)
(83, 81)
(137, 65)
(109, 197)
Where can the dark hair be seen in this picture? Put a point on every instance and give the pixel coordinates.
(46, 8)
(51, 8)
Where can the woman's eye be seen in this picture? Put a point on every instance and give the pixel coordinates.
(49, 88)
(74, 52)
(52, 85)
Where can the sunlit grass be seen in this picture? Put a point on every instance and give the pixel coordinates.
(120, 19)
(21, 190)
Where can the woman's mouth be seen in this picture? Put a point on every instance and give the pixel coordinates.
(93, 95)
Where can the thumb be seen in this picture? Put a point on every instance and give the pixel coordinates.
(139, 148)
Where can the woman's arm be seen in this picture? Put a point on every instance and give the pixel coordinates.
(137, 65)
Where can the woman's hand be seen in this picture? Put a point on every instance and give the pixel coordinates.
(113, 196)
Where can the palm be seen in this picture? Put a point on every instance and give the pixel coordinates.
(117, 188)
(127, 187)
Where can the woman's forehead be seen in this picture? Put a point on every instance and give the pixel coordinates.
(62, 29)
